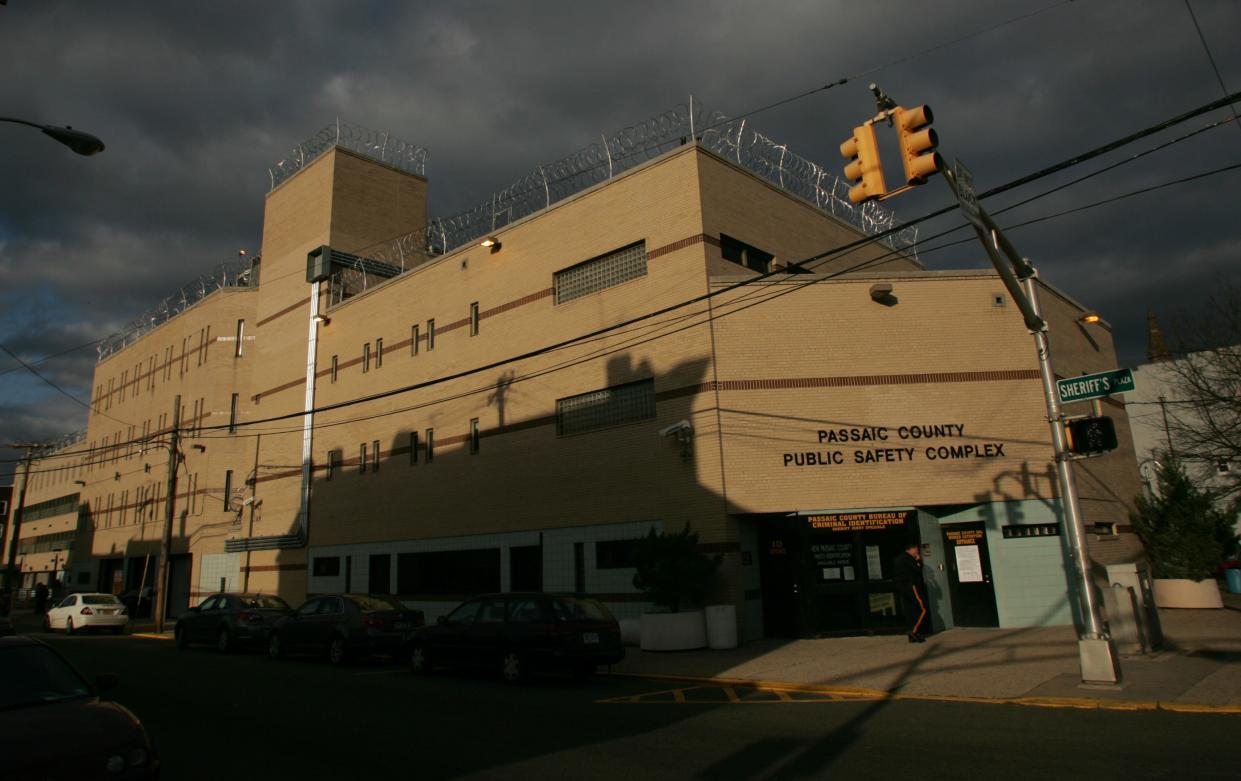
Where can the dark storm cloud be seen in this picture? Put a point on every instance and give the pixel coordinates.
(195, 101)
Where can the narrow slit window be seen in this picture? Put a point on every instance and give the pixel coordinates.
(366, 357)
(232, 415)
(474, 319)
(430, 334)
(362, 457)
(429, 436)
(379, 353)
(474, 436)
(228, 489)
(375, 450)
(413, 448)
(333, 462)
(241, 336)
(413, 340)
(335, 367)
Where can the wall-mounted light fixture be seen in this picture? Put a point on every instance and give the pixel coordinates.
(491, 243)
(322, 319)
(1089, 318)
(200, 448)
(881, 293)
(80, 482)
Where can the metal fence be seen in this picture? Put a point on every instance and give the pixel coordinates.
(733, 139)
(375, 144)
(233, 274)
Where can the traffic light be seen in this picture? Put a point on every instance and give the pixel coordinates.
(1091, 435)
(918, 142)
(863, 168)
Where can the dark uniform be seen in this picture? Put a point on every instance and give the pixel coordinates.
(907, 572)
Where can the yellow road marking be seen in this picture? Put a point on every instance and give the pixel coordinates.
(150, 636)
(821, 693)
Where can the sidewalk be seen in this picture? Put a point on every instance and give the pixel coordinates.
(1199, 668)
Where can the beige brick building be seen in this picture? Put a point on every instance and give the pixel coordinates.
(510, 417)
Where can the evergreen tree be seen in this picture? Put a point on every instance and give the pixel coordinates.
(1185, 536)
(672, 569)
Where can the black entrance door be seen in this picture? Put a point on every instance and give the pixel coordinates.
(969, 575)
(781, 571)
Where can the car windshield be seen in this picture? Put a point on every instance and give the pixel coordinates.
(376, 603)
(35, 674)
(261, 601)
(100, 599)
(570, 609)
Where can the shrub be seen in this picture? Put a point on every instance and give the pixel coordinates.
(672, 570)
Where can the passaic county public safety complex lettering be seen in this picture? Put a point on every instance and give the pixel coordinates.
(887, 445)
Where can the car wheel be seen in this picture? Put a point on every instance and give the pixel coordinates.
(337, 653)
(275, 649)
(419, 661)
(179, 639)
(224, 641)
(69, 628)
(118, 630)
(513, 667)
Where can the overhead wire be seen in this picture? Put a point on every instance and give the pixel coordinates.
(848, 247)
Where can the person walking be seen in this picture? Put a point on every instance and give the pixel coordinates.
(907, 572)
(40, 598)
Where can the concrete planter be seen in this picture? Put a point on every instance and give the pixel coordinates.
(1178, 592)
(683, 631)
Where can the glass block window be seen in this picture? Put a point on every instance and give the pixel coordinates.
(600, 273)
(615, 406)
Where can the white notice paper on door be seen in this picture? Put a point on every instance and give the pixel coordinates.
(969, 564)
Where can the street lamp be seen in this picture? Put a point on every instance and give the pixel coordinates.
(82, 143)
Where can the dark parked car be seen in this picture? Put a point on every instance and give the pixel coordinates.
(344, 626)
(518, 633)
(231, 620)
(54, 725)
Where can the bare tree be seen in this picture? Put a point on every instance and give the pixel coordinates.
(1204, 419)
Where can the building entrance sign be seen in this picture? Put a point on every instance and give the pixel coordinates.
(848, 522)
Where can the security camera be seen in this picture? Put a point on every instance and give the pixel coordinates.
(676, 428)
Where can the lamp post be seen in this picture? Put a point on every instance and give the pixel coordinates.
(82, 143)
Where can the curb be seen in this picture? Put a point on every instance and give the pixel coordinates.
(862, 694)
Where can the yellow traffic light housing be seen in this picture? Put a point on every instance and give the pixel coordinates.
(864, 168)
(918, 142)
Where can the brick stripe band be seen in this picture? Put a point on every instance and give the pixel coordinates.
(449, 327)
(290, 308)
(866, 380)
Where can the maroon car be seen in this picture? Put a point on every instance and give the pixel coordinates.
(54, 724)
(517, 633)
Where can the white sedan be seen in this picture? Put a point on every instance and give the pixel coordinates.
(87, 611)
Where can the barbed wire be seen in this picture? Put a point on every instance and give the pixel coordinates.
(375, 144)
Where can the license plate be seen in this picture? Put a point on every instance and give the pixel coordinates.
(590, 637)
(401, 625)
(107, 612)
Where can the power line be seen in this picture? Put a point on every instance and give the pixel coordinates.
(46, 358)
(843, 249)
(56, 387)
(1206, 48)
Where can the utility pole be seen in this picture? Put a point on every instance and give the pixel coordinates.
(165, 545)
(1097, 652)
(15, 522)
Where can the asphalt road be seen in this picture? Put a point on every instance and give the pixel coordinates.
(242, 716)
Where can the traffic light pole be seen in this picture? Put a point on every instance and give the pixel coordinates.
(1097, 652)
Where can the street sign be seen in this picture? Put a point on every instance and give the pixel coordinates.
(1094, 386)
(966, 196)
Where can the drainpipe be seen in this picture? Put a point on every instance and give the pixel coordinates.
(308, 418)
